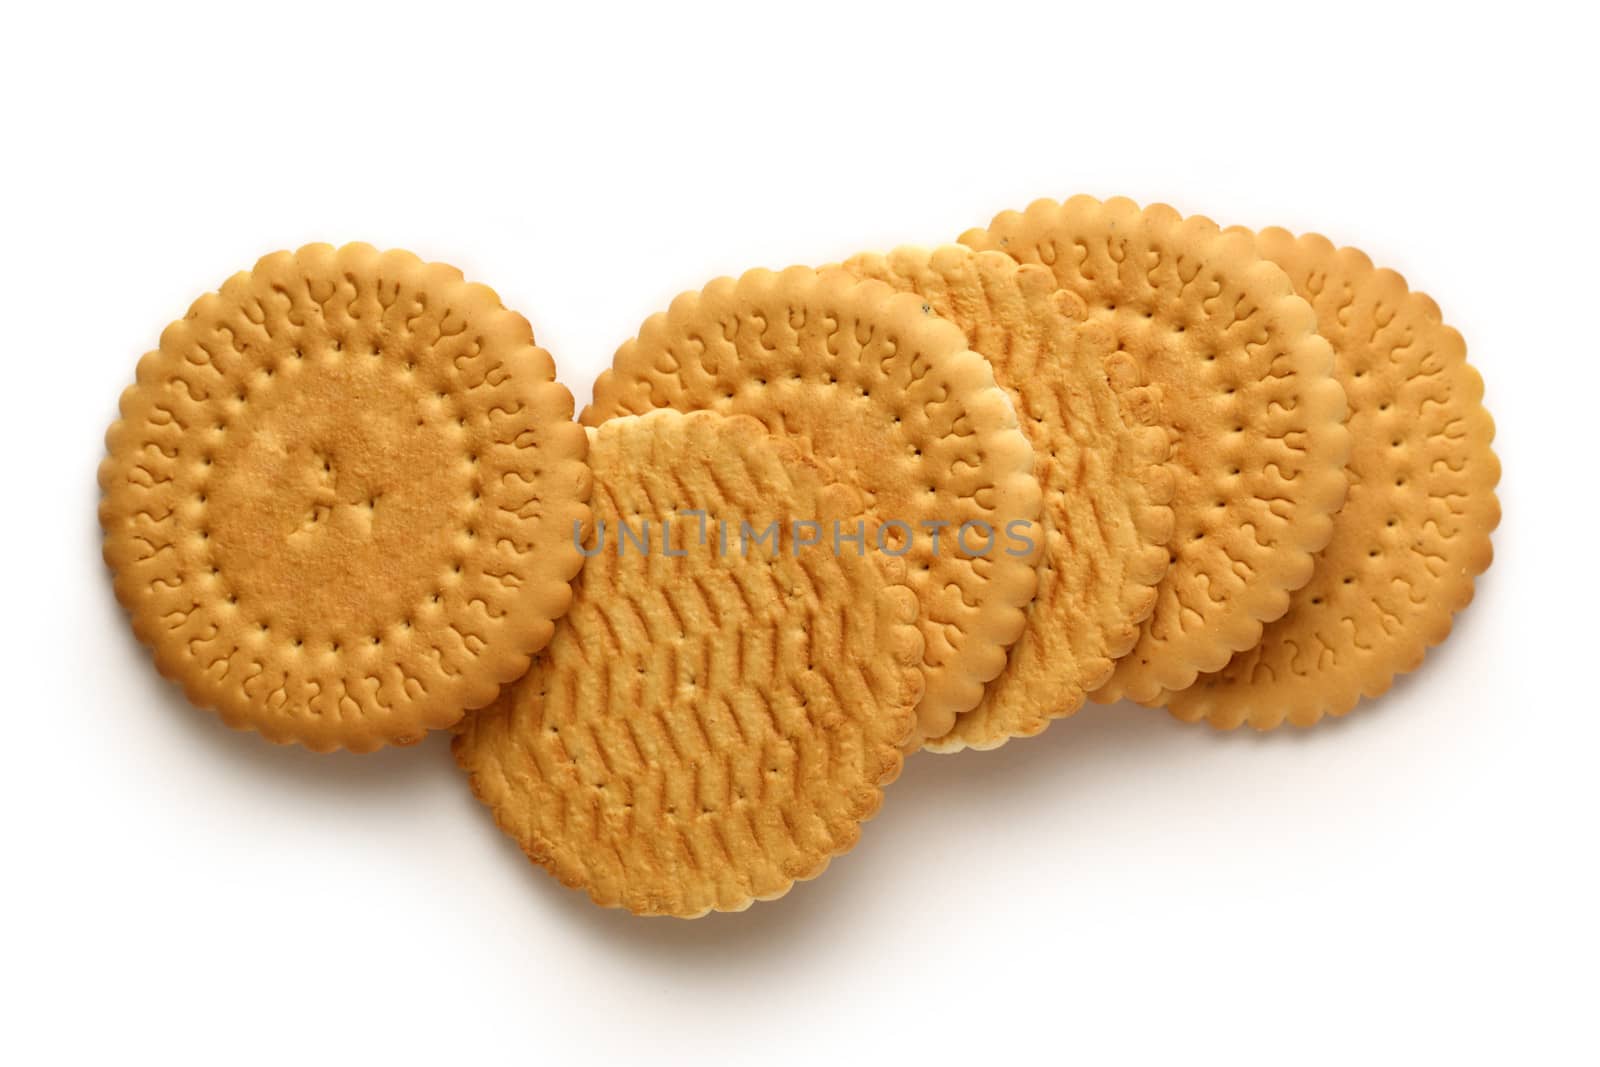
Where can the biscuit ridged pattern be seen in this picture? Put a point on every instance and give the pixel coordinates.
(889, 398)
(1414, 531)
(338, 501)
(1100, 464)
(704, 730)
(1253, 415)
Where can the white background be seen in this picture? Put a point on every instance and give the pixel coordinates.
(1418, 879)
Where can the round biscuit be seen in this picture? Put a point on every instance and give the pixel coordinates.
(1414, 531)
(714, 719)
(339, 498)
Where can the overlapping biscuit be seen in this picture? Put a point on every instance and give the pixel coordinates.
(1414, 531)
(338, 500)
(715, 716)
(889, 398)
(1252, 411)
(1100, 464)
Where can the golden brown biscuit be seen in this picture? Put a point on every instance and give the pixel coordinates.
(889, 398)
(1101, 466)
(1254, 415)
(1414, 531)
(338, 502)
(715, 717)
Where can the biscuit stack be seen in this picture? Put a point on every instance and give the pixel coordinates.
(812, 521)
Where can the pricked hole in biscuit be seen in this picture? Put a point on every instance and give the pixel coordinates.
(336, 646)
(299, 642)
(299, 353)
(1316, 600)
(376, 640)
(233, 600)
